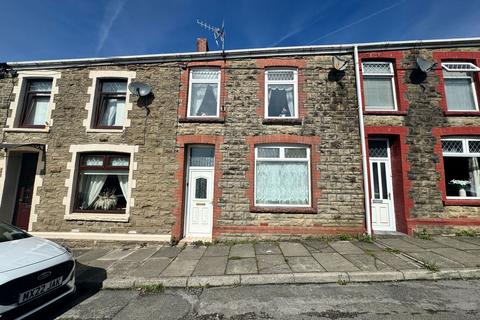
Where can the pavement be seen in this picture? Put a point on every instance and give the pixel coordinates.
(435, 300)
(262, 263)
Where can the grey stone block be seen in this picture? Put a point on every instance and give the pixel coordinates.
(272, 264)
(293, 249)
(334, 262)
(214, 281)
(242, 251)
(259, 279)
(265, 248)
(345, 247)
(209, 266)
(179, 268)
(217, 251)
(375, 276)
(304, 264)
(321, 277)
(242, 266)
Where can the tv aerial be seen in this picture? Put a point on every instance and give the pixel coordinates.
(425, 65)
(139, 89)
(340, 64)
(218, 33)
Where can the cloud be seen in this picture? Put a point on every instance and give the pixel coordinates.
(113, 10)
(357, 21)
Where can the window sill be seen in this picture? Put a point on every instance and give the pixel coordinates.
(202, 119)
(42, 130)
(300, 210)
(105, 130)
(462, 113)
(106, 217)
(385, 113)
(295, 121)
(461, 202)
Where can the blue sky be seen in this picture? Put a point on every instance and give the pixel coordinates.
(55, 29)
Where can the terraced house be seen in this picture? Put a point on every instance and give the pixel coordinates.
(257, 143)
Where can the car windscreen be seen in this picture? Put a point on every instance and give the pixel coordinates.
(9, 233)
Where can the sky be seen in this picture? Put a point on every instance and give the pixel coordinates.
(60, 29)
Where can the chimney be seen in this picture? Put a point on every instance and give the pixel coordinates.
(202, 45)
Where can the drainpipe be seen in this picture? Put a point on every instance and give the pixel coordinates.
(362, 142)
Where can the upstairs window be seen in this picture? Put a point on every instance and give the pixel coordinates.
(102, 183)
(35, 108)
(281, 96)
(461, 159)
(379, 86)
(204, 97)
(282, 176)
(460, 86)
(110, 109)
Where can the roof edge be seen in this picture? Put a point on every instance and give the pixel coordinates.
(247, 53)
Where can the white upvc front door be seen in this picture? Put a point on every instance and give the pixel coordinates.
(381, 193)
(199, 193)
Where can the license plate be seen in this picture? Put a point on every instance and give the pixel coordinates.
(35, 292)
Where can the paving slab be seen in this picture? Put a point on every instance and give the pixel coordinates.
(334, 262)
(93, 255)
(317, 246)
(272, 264)
(472, 240)
(244, 250)
(367, 262)
(242, 266)
(141, 254)
(167, 252)
(180, 268)
(151, 268)
(396, 262)
(79, 252)
(369, 246)
(192, 252)
(121, 269)
(267, 248)
(345, 247)
(217, 251)
(304, 264)
(465, 258)
(211, 266)
(401, 245)
(454, 243)
(293, 249)
(426, 244)
(438, 260)
(117, 254)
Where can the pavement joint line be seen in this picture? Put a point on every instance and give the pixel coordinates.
(288, 278)
(385, 246)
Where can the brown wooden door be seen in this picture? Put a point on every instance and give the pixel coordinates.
(26, 181)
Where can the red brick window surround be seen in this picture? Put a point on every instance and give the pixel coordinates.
(286, 142)
(214, 90)
(399, 87)
(457, 56)
(447, 151)
(271, 71)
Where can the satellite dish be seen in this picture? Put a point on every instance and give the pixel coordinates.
(339, 64)
(425, 65)
(139, 89)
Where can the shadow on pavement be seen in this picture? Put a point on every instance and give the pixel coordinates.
(89, 282)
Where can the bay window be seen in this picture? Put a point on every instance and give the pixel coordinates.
(282, 176)
(461, 159)
(204, 93)
(102, 183)
(35, 107)
(281, 98)
(460, 86)
(379, 86)
(110, 109)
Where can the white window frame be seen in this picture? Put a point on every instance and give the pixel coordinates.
(460, 67)
(295, 90)
(450, 67)
(282, 158)
(464, 154)
(391, 75)
(204, 81)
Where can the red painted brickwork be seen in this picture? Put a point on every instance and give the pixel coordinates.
(439, 57)
(400, 166)
(312, 142)
(183, 94)
(264, 64)
(400, 87)
(178, 211)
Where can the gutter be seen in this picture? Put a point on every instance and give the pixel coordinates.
(245, 53)
(362, 143)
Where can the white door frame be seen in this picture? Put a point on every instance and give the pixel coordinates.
(209, 172)
(388, 169)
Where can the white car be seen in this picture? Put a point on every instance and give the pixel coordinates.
(34, 273)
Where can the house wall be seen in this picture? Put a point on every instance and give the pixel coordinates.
(425, 119)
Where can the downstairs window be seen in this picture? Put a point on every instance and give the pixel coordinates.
(461, 159)
(102, 183)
